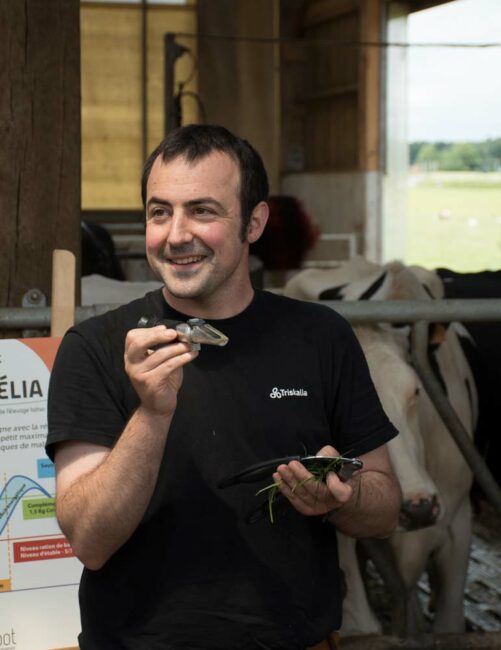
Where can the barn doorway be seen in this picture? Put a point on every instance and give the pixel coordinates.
(442, 205)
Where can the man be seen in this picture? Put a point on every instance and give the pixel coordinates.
(143, 429)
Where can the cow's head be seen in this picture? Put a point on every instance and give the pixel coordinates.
(405, 402)
(400, 392)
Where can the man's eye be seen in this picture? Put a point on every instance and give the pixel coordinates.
(200, 210)
(157, 213)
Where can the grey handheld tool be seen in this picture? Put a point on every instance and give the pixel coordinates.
(195, 331)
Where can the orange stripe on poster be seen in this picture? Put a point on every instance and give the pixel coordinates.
(45, 348)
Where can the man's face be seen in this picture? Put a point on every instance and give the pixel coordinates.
(193, 225)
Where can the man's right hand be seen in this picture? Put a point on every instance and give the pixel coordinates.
(154, 361)
(100, 502)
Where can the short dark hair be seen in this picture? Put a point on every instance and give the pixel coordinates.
(196, 141)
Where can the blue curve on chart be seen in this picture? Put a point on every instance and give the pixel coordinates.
(15, 489)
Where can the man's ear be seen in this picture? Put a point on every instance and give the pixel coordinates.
(257, 222)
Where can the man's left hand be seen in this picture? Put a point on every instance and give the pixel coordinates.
(309, 496)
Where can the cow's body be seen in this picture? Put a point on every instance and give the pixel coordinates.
(433, 474)
(484, 357)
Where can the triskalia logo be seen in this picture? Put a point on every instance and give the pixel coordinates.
(278, 393)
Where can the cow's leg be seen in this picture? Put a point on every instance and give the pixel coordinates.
(450, 565)
(383, 557)
(412, 550)
(358, 617)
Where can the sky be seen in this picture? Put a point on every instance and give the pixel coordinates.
(455, 93)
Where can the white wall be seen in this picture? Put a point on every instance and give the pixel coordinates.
(341, 202)
(393, 225)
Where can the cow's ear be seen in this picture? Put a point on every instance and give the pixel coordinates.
(436, 334)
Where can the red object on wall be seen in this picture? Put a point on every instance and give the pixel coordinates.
(289, 234)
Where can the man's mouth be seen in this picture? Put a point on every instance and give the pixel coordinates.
(184, 261)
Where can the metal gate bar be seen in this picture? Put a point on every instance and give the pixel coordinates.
(410, 311)
(363, 311)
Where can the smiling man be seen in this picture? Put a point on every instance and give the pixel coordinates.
(195, 239)
(144, 429)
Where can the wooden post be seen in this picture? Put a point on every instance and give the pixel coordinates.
(63, 292)
(40, 135)
(370, 87)
(241, 94)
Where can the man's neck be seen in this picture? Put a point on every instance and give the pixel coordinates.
(211, 307)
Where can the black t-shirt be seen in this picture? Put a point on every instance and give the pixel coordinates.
(195, 574)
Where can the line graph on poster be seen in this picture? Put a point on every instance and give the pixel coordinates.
(30, 536)
(34, 554)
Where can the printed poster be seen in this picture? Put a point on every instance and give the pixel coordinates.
(39, 574)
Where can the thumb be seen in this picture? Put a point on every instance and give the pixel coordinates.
(342, 492)
(328, 450)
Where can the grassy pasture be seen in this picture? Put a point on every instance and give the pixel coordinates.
(454, 220)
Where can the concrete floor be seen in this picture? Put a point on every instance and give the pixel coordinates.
(482, 599)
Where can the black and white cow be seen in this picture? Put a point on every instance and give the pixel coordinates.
(433, 474)
(484, 357)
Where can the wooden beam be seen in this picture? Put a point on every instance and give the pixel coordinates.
(419, 5)
(40, 152)
(322, 11)
(331, 91)
(238, 79)
(369, 129)
(275, 157)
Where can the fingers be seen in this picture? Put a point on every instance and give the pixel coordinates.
(307, 495)
(341, 491)
(328, 450)
(154, 358)
(154, 346)
(140, 342)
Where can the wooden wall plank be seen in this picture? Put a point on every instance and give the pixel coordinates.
(237, 77)
(370, 87)
(112, 155)
(321, 11)
(329, 94)
(340, 92)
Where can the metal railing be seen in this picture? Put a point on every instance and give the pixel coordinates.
(357, 312)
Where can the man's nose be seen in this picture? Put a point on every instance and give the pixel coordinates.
(179, 230)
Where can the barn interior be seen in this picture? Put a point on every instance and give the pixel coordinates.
(299, 86)
(317, 86)
(309, 82)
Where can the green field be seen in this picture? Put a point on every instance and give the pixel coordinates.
(454, 220)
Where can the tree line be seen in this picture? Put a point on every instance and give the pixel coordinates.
(457, 156)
